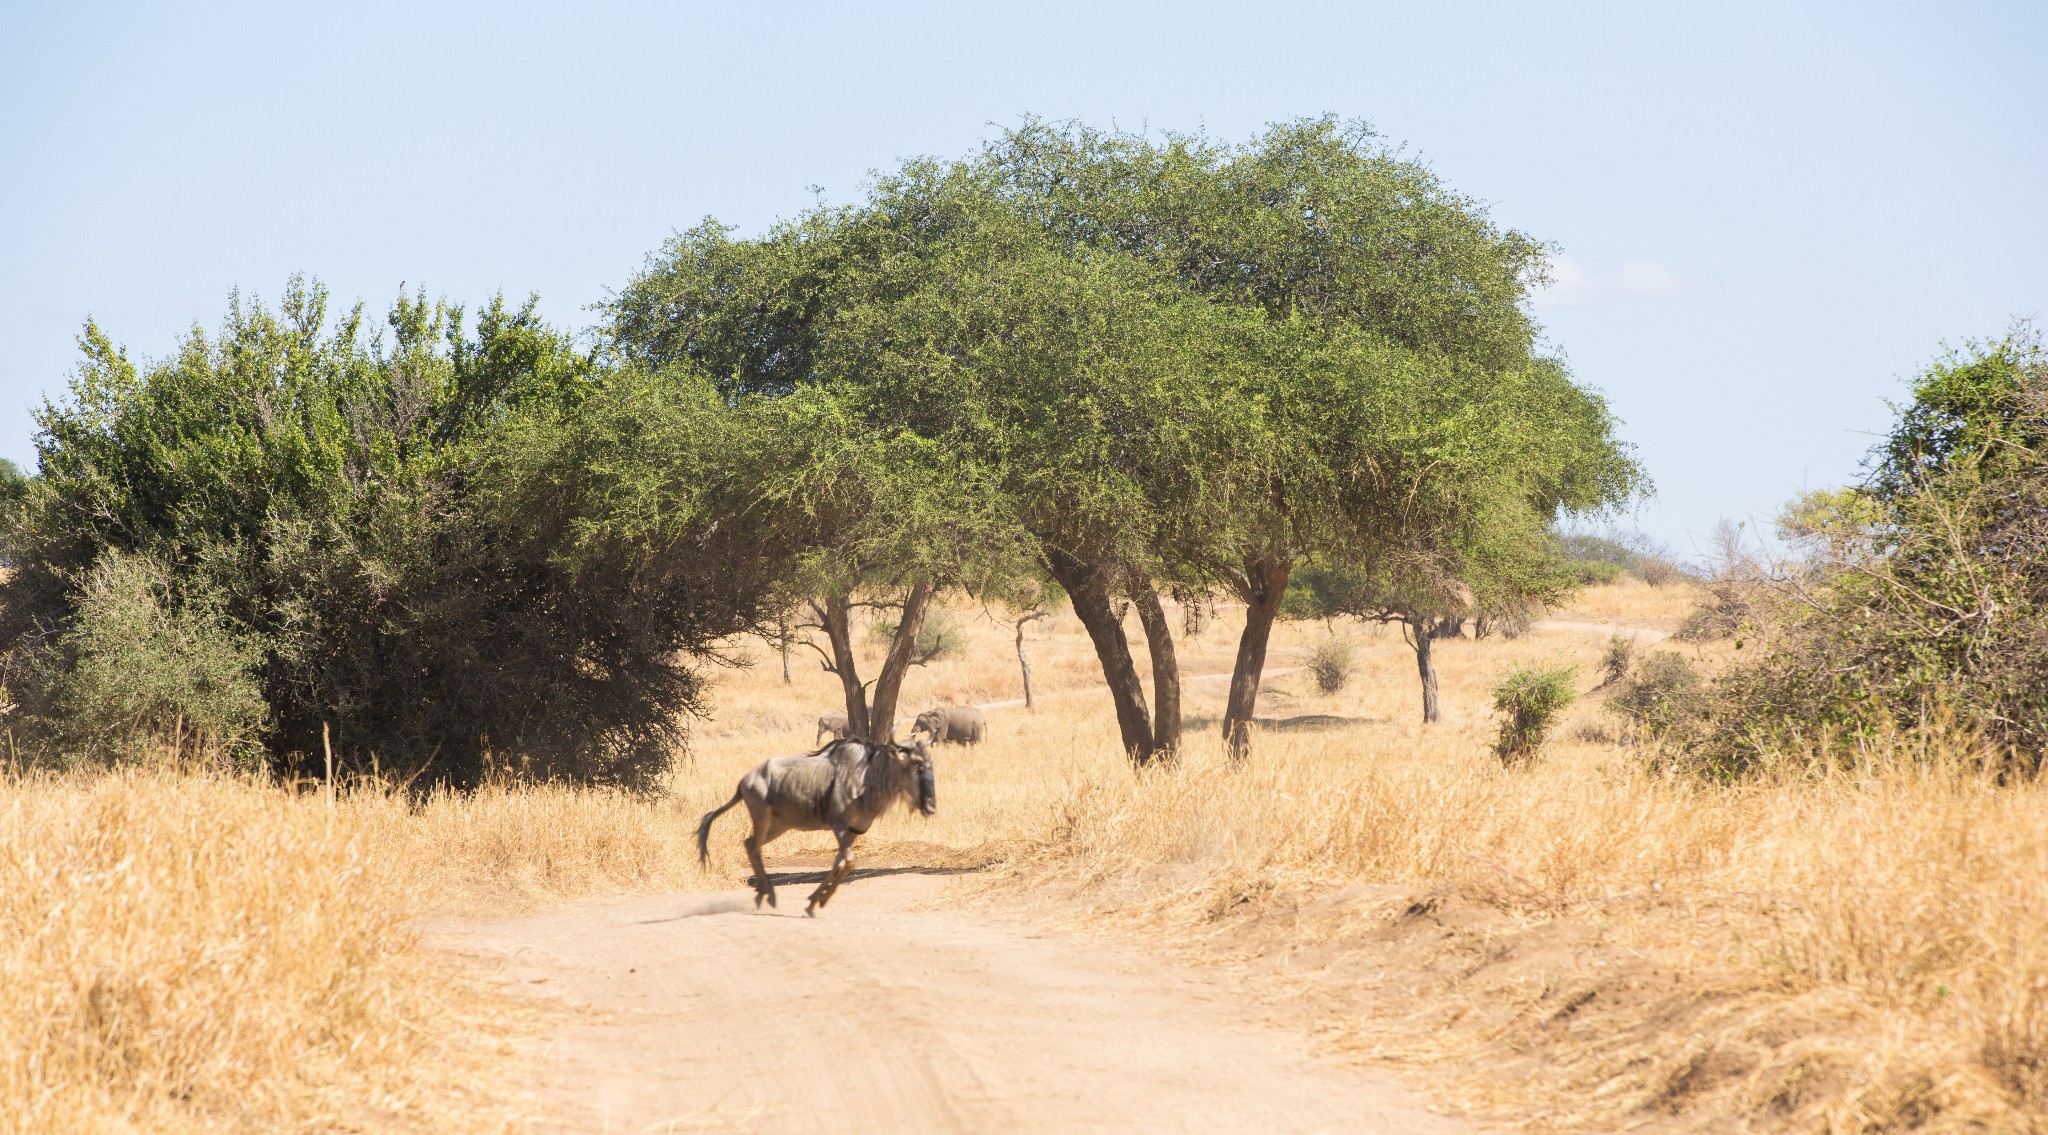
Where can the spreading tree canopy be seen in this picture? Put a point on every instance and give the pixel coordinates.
(1168, 363)
(1406, 413)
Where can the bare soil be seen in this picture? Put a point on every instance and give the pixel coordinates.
(696, 1012)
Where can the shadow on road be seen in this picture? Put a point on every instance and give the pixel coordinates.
(744, 903)
(797, 878)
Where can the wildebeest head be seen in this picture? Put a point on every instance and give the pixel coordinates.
(916, 759)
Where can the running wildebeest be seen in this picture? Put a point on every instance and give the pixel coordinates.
(842, 788)
(962, 723)
(833, 724)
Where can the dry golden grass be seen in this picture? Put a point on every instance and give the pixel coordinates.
(1587, 944)
(186, 952)
(1594, 945)
(1574, 945)
(1631, 601)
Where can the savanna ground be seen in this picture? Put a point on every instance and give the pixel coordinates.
(1578, 944)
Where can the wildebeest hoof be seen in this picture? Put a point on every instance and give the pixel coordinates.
(811, 910)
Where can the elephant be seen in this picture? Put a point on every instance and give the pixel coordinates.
(834, 724)
(962, 723)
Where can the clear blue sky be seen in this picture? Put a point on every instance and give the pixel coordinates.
(1769, 214)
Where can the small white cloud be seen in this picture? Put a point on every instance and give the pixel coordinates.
(1571, 284)
(1648, 278)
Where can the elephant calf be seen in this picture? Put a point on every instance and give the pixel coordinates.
(832, 723)
(962, 723)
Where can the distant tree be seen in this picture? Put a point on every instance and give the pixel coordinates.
(1431, 600)
(1425, 612)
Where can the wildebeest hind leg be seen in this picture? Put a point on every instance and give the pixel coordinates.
(763, 889)
(764, 830)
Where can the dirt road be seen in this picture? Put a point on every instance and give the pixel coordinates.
(1608, 627)
(692, 1012)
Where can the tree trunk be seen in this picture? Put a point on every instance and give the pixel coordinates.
(1425, 665)
(782, 645)
(1087, 587)
(1024, 663)
(1262, 586)
(902, 651)
(1165, 670)
(836, 615)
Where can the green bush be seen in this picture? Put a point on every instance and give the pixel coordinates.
(1924, 600)
(137, 669)
(454, 547)
(1529, 700)
(1660, 695)
(1592, 572)
(1602, 559)
(1331, 662)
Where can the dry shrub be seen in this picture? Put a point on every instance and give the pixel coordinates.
(1331, 662)
(1617, 661)
(1658, 695)
(201, 953)
(1657, 571)
(1593, 732)
(1726, 607)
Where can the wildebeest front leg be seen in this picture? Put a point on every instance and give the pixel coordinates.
(842, 866)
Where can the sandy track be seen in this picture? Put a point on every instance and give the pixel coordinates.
(692, 1012)
(1607, 627)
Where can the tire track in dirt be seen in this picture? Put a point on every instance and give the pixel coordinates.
(694, 1012)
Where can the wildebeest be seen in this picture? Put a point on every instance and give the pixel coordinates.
(843, 787)
(962, 723)
(833, 724)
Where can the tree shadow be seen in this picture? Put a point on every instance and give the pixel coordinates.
(1300, 723)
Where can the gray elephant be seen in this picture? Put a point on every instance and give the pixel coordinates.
(833, 723)
(962, 723)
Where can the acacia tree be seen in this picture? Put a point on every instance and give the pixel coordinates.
(1430, 599)
(890, 520)
(892, 523)
(1058, 382)
(1367, 271)
(1092, 389)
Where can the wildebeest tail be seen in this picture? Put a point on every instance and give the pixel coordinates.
(704, 828)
